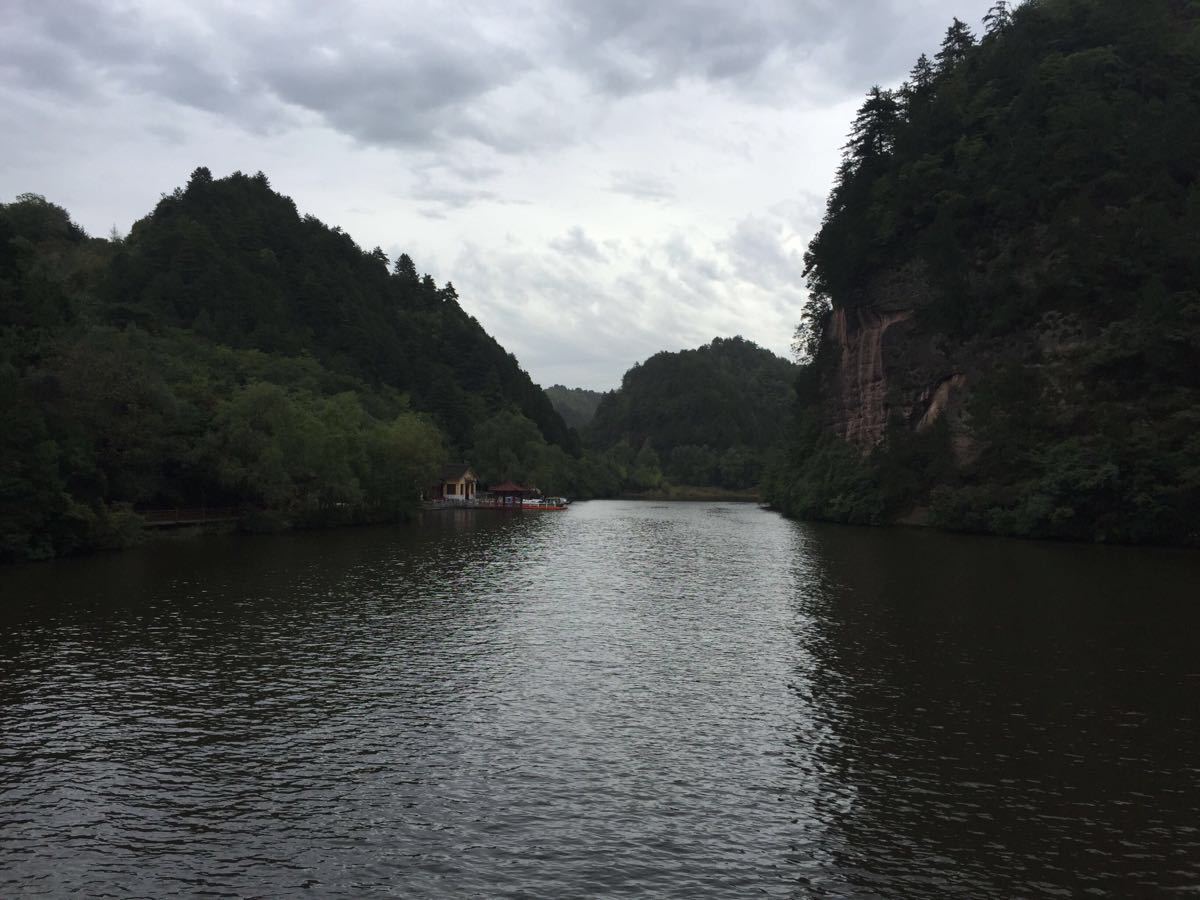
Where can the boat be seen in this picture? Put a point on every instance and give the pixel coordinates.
(545, 504)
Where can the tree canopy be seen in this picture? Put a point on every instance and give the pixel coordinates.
(231, 352)
(1040, 189)
(701, 417)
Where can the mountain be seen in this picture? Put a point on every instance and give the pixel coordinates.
(699, 417)
(577, 406)
(232, 353)
(1004, 324)
(234, 261)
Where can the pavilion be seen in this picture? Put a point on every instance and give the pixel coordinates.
(508, 493)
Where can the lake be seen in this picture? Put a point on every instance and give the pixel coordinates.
(624, 699)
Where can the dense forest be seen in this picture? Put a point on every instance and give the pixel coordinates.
(577, 406)
(1003, 333)
(230, 352)
(704, 417)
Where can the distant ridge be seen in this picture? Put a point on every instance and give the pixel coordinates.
(708, 417)
(577, 406)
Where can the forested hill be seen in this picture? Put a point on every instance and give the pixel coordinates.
(698, 417)
(235, 262)
(577, 406)
(1005, 293)
(231, 353)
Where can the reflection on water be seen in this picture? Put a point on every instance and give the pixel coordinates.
(621, 700)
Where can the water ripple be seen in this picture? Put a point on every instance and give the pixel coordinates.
(664, 700)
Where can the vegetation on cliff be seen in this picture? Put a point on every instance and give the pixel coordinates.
(1035, 192)
(704, 417)
(231, 352)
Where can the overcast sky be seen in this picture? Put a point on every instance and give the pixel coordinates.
(601, 179)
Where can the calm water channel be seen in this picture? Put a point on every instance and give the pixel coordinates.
(651, 700)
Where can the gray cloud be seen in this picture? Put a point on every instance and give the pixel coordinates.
(759, 254)
(366, 70)
(643, 186)
(388, 92)
(577, 244)
(586, 324)
(601, 179)
(631, 45)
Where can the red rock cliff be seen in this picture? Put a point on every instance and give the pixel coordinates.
(887, 369)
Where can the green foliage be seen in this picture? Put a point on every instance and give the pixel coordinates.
(691, 464)
(230, 353)
(508, 447)
(956, 47)
(1047, 181)
(320, 459)
(833, 483)
(703, 417)
(874, 127)
(234, 261)
(646, 473)
(998, 18)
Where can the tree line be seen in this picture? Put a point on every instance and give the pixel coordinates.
(708, 417)
(231, 352)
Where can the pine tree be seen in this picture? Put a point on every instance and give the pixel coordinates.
(201, 176)
(874, 130)
(999, 18)
(920, 82)
(956, 47)
(405, 268)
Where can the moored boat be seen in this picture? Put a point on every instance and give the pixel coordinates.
(545, 504)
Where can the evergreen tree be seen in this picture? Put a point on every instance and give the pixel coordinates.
(920, 82)
(201, 177)
(956, 47)
(405, 268)
(874, 130)
(998, 18)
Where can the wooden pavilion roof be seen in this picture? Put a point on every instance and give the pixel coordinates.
(509, 487)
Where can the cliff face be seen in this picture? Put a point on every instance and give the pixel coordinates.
(859, 407)
(889, 370)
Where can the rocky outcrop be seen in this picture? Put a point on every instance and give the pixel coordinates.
(860, 408)
(937, 400)
(888, 369)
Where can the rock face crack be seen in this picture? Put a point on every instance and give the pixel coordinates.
(939, 399)
(889, 367)
(860, 385)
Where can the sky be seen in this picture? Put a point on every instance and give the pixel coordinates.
(600, 179)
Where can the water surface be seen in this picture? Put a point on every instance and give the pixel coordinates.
(626, 699)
